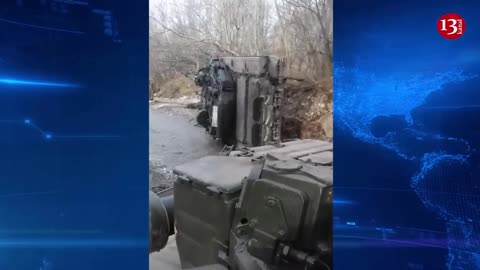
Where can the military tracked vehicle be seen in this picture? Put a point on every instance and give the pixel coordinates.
(260, 208)
(266, 205)
(241, 98)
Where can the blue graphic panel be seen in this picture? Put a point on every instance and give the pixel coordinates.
(73, 134)
(407, 135)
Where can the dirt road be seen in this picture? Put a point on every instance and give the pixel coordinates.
(174, 140)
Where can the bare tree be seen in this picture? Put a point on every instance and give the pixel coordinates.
(306, 31)
(184, 34)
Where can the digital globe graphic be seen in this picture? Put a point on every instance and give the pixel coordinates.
(419, 121)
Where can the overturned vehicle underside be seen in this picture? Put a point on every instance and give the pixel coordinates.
(241, 97)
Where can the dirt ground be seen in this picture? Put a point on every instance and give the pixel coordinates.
(175, 139)
(307, 110)
(174, 88)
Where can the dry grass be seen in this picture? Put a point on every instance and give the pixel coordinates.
(308, 110)
(177, 87)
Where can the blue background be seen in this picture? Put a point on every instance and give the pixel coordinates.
(73, 135)
(407, 134)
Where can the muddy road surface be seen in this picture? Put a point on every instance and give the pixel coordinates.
(174, 140)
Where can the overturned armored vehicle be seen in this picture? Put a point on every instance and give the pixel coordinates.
(241, 97)
(260, 208)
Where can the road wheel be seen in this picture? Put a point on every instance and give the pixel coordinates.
(226, 117)
(202, 118)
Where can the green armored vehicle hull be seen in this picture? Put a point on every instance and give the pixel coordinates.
(267, 207)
